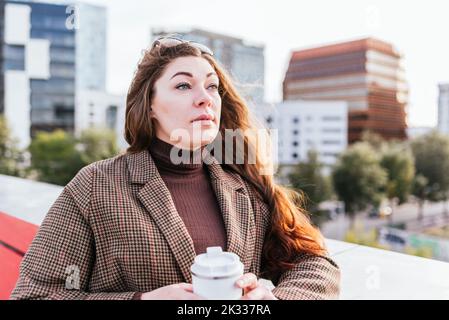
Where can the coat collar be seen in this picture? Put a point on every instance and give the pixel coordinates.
(232, 196)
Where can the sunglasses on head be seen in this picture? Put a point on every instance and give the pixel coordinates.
(173, 41)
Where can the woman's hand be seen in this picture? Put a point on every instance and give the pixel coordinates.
(252, 289)
(178, 291)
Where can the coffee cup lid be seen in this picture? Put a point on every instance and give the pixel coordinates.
(216, 263)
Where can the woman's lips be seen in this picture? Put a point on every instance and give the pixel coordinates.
(204, 122)
(204, 117)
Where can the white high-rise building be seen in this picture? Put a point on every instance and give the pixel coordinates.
(443, 108)
(307, 125)
(98, 109)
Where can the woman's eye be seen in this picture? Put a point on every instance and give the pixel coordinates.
(214, 86)
(183, 85)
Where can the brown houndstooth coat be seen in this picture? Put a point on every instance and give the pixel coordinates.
(116, 230)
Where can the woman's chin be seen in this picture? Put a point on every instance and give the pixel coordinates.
(204, 137)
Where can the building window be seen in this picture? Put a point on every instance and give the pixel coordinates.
(331, 130)
(269, 120)
(295, 143)
(295, 132)
(329, 154)
(64, 115)
(295, 120)
(327, 142)
(331, 118)
(14, 52)
(15, 65)
(111, 117)
(295, 155)
(358, 117)
(14, 57)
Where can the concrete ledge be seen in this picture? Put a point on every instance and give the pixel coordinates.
(369, 273)
(26, 199)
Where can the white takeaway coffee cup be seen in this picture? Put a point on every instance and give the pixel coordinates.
(215, 273)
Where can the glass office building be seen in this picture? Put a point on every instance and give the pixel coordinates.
(38, 63)
(53, 99)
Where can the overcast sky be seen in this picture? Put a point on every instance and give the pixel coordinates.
(415, 28)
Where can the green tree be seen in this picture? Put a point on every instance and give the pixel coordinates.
(358, 179)
(54, 157)
(10, 155)
(97, 144)
(308, 177)
(375, 140)
(420, 190)
(431, 152)
(398, 162)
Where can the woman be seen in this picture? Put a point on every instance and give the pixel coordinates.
(130, 227)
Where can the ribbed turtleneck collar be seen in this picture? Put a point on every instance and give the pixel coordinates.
(160, 151)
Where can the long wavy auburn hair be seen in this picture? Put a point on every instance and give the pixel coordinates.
(290, 234)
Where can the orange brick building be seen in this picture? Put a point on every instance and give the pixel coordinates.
(366, 73)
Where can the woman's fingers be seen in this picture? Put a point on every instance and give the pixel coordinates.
(188, 291)
(259, 293)
(247, 282)
(186, 286)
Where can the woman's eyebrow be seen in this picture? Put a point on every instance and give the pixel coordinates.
(188, 74)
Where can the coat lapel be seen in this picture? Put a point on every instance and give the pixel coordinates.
(232, 198)
(238, 215)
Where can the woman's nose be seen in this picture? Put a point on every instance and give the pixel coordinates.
(203, 99)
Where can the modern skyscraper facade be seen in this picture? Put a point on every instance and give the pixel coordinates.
(38, 68)
(367, 73)
(48, 52)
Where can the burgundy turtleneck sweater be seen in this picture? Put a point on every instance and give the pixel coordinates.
(191, 190)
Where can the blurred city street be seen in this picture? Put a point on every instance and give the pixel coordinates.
(407, 212)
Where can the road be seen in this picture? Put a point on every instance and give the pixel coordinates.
(337, 228)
